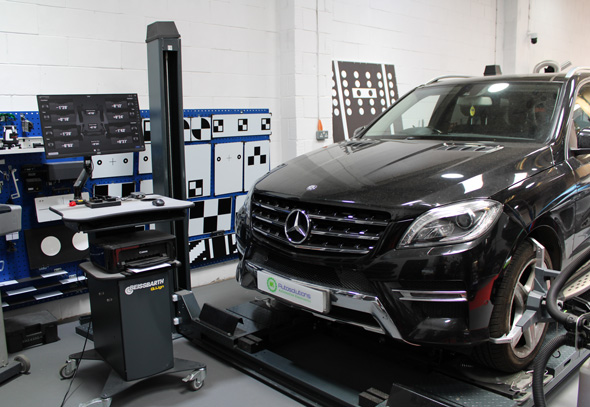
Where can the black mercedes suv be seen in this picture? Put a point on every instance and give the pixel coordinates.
(424, 225)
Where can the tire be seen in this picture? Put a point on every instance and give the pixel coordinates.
(509, 304)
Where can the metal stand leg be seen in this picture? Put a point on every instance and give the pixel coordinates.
(10, 369)
(3, 350)
(115, 384)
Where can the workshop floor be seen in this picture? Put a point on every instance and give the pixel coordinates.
(224, 386)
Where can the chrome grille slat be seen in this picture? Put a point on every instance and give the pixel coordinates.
(271, 221)
(347, 220)
(333, 229)
(272, 208)
(312, 247)
(344, 235)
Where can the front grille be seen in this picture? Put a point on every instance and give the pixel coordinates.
(332, 229)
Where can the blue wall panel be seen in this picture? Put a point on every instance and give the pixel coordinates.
(21, 285)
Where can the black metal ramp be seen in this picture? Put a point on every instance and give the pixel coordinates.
(320, 363)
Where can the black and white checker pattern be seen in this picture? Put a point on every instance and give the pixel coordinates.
(120, 190)
(242, 125)
(218, 126)
(215, 248)
(258, 158)
(200, 129)
(265, 124)
(256, 162)
(195, 188)
(147, 134)
(186, 124)
(197, 169)
(212, 215)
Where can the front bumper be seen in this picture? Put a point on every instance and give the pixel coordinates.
(354, 302)
(430, 295)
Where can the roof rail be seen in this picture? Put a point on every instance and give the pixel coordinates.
(576, 70)
(438, 78)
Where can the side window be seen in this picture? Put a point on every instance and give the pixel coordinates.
(581, 117)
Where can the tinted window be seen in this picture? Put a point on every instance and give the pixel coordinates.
(476, 111)
(582, 109)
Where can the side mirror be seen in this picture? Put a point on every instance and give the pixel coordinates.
(584, 138)
(583, 142)
(358, 131)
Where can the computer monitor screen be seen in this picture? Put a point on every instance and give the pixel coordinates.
(87, 125)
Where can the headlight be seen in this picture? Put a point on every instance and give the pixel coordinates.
(454, 223)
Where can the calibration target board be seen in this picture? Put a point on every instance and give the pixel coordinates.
(360, 92)
(208, 249)
(112, 165)
(49, 246)
(240, 125)
(209, 216)
(197, 164)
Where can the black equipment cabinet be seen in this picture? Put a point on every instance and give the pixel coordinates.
(132, 320)
(131, 296)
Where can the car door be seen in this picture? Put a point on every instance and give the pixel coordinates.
(580, 164)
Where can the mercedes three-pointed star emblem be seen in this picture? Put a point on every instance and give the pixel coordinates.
(297, 226)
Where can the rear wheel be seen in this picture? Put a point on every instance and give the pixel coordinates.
(509, 306)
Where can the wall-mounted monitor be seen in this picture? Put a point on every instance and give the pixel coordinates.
(87, 125)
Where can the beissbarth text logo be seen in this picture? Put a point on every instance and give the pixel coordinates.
(154, 285)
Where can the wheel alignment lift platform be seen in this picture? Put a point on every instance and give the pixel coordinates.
(321, 363)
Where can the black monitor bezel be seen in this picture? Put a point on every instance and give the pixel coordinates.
(79, 101)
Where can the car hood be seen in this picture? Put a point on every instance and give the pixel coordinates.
(410, 174)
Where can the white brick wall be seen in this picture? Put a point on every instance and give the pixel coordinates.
(562, 31)
(422, 39)
(264, 53)
(230, 51)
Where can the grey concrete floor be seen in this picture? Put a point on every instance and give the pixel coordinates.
(224, 386)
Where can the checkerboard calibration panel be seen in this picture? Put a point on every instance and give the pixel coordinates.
(226, 151)
(224, 156)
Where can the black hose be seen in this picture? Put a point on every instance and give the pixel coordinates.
(540, 364)
(569, 321)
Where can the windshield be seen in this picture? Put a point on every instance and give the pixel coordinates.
(489, 111)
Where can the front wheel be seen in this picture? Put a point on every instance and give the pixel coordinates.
(509, 306)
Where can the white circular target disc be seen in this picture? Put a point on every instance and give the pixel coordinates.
(80, 241)
(50, 246)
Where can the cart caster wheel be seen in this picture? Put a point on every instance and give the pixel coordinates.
(25, 363)
(196, 384)
(68, 370)
(196, 378)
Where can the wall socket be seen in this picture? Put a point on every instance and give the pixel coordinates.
(321, 135)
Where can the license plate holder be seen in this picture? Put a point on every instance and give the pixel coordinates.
(293, 292)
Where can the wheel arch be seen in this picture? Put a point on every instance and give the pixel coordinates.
(544, 233)
(547, 237)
